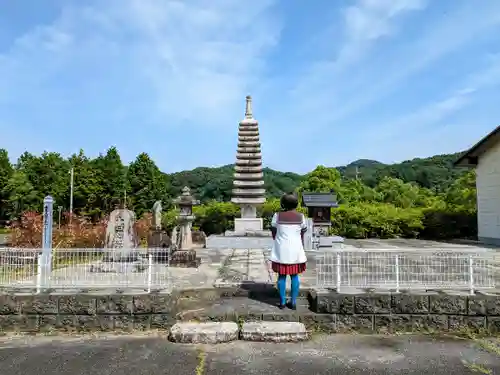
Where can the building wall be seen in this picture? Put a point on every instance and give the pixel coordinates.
(488, 196)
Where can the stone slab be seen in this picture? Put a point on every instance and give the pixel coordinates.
(204, 333)
(274, 331)
(242, 225)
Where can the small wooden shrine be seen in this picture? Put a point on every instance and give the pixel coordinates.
(319, 206)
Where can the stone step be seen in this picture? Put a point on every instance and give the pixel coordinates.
(274, 331)
(262, 291)
(204, 333)
(244, 309)
(265, 292)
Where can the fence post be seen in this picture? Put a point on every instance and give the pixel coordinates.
(339, 269)
(397, 273)
(39, 273)
(150, 271)
(46, 259)
(471, 274)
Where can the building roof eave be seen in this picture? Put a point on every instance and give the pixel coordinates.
(471, 157)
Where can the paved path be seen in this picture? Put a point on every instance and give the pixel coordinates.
(339, 354)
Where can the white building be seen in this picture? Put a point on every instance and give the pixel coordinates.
(485, 157)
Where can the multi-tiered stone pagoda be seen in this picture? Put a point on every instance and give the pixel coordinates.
(248, 183)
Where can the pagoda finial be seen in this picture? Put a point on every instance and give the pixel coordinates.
(248, 107)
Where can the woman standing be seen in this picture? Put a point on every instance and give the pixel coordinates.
(288, 256)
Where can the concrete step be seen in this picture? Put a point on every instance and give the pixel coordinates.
(274, 331)
(204, 333)
(221, 332)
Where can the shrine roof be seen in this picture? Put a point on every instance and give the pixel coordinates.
(310, 199)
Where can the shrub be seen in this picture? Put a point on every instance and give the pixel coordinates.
(81, 233)
(448, 224)
(382, 220)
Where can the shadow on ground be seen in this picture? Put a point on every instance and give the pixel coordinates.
(267, 294)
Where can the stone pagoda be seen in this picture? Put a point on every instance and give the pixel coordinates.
(248, 182)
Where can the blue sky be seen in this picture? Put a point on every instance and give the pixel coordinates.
(335, 80)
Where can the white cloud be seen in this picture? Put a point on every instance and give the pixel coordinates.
(434, 113)
(372, 19)
(189, 60)
(352, 88)
(418, 132)
(166, 63)
(329, 84)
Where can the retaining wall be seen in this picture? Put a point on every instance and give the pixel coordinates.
(87, 312)
(330, 312)
(431, 311)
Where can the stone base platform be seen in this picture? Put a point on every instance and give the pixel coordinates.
(185, 259)
(186, 264)
(118, 267)
(248, 233)
(248, 224)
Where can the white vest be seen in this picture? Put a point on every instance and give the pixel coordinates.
(287, 247)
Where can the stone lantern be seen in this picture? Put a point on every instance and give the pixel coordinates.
(185, 203)
(184, 253)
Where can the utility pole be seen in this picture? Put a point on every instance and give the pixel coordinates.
(71, 186)
(357, 172)
(124, 198)
(60, 212)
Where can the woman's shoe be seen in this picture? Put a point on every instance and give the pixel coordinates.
(291, 306)
(281, 307)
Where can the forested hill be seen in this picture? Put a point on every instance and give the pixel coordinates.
(101, 182)
(436, 172)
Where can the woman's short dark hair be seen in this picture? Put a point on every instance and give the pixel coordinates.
(289, 202)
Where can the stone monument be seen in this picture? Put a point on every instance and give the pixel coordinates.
(184, 254)
(121, 244)
(159, 243)
(157, 209)
(248, 184)
(121, 239)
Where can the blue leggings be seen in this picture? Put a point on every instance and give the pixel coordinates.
(282, 288)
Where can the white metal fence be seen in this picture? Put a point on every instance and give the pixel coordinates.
(149, 269)
(84, 269)
(397, 269)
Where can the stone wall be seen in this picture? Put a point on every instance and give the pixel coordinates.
(48, 313)
(329, 312)
(424, 312)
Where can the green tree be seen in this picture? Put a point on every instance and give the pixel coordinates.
(146, 184)
(354, 191)
(48, 174)
(110, 176)
(321, 179)
(6, 172)
(462, 194)
(21, 194)
(87, 187)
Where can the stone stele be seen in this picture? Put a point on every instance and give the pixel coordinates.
(121, 239)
